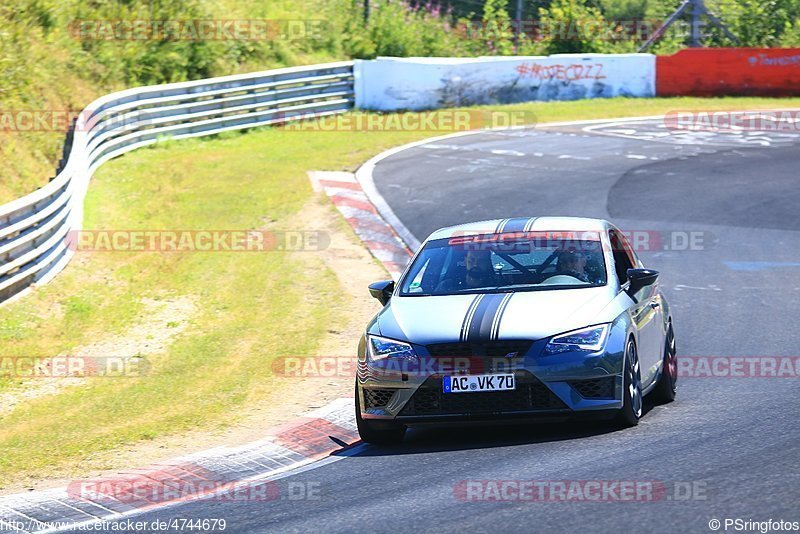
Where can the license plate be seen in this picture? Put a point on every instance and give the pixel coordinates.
(478, 383)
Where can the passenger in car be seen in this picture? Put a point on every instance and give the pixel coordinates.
(572, 262)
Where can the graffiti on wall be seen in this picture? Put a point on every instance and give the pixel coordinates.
(781, 61)
(407, 84)
(566, 73)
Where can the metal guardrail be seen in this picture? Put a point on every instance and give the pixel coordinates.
(34, 229)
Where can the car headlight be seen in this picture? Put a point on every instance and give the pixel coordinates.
(381, 349)
(590, 339)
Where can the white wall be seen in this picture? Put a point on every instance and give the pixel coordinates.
(428, 83)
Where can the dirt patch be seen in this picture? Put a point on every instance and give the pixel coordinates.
(354, 268)
(158, 324)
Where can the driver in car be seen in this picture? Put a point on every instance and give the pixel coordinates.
(479, 273)
(573, 263)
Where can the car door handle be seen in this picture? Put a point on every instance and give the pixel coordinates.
(654, 305)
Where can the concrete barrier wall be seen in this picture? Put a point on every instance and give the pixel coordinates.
(729, 71)
(426, 83)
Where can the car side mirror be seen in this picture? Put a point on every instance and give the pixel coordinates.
(640, 278)
(382, 290)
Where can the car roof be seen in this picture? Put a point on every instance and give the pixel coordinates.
(522, 224)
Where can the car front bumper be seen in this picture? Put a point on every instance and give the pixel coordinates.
(548, 387)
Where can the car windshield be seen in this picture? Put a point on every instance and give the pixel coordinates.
(519, 261)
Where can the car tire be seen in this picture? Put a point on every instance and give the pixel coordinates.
(666, 388)
(383, 433)
(632, 401)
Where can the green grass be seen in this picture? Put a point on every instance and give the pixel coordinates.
(251, 307)
(633, 107)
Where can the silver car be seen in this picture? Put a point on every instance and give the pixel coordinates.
(523, 318)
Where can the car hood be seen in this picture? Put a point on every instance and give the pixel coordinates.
(520, 315)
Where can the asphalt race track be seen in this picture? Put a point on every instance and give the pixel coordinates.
(735, 292)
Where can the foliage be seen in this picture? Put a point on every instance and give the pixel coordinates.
(46, 65)
(570, 27)
(619, 10)
(497, 34)
(396, 28)
(755, 23)
(791, 34)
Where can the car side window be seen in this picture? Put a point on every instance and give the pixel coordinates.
(416, 285)
(622, 256)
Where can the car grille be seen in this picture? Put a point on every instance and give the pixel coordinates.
(489, 349)
(530, 395)
(596, 388)
(377, 398)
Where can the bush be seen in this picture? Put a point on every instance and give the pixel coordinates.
(791, 34)
(395, 28)
(496, 32)
(569, 27)
(755, 23)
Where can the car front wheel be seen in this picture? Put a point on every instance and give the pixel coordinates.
(632, 403)
(666, 387)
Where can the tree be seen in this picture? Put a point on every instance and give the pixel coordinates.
(570, 26)
(753, 22)
(497, 32)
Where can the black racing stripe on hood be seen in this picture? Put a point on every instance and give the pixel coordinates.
(480, 327)
(499, 315)
(468, 317)
(500, 225)
(517, 224)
